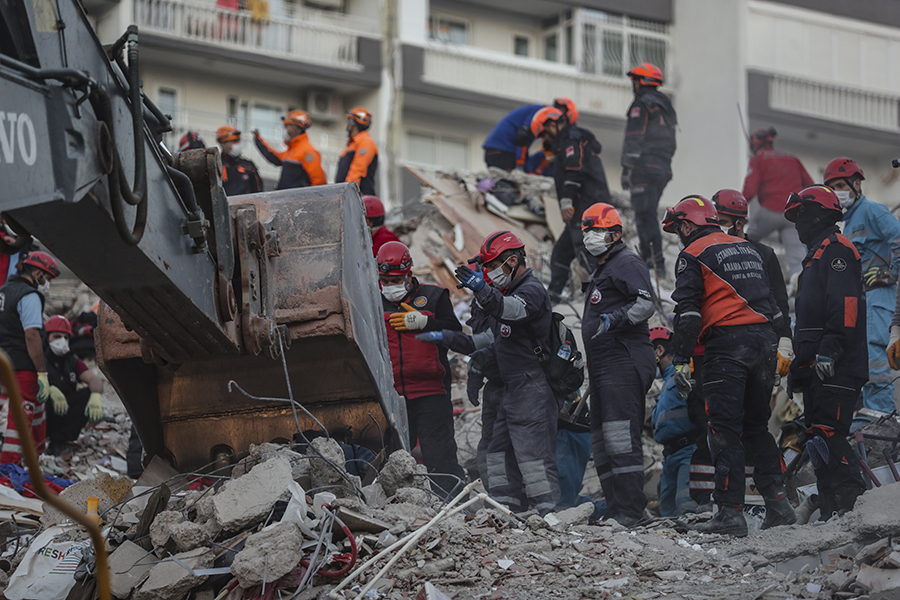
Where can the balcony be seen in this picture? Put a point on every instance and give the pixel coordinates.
(324, 39)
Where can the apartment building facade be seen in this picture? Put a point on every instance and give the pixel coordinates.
(438, 74)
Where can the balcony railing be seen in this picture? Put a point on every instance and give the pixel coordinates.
(526, 80)
(310, 37)
(834, 103)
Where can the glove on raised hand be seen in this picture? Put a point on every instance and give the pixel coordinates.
(409, 320)
(785, 356)
(474, 280)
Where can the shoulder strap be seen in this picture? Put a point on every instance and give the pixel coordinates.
(536, 348)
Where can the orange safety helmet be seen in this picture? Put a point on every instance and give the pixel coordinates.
(227, 133)
(842, 168)
(647, 74)
(600, 216)
(540, 118)
(568, 108)
(497, 243)
(43, 261)
(58, 324)
(822, 195)
(731, 203)
(394, 259)
(300, 118)
(693, 209)
(374, 207)
(361, 116)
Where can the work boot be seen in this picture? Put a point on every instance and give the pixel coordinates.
(778, 508)
(728, 521)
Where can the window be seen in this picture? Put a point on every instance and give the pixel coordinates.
(520, 46)
(444, 29)
(238, 113)
(551, 47)
(612, 44)
(437, 151)
(166, 100)
(268, 120)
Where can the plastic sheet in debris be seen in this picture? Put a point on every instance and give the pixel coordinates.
(48, 569)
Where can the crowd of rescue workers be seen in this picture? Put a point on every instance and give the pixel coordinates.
(730, 343)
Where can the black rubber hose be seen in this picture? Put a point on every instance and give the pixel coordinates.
(139, 193)
(186, 189)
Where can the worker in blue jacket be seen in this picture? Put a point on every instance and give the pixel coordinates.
(672, 427)
(506, 147)
(876, 234)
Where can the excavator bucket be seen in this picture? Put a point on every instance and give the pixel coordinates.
(315, 278)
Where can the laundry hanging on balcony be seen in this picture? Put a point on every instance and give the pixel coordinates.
(259, 11)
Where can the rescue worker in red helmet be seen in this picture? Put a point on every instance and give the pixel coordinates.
(830, 345)
(521, 457)
(421, 370)
(21, 324)
(191, 141)
(239, 175)
(723, 299)
(620, 362)
(72, 407)
(647, 157)
(300, 162)
(580, 182)
(359, 160)
(771, 177)
(375, 220)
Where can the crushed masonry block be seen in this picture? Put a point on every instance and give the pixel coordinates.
(577, 515)
(260, 453)
(415, 496)
(876, 512)
(357, 521)
(169, 579)
(271, 553)
(375, 496)
(188, 535)
(161, 529)
(321, 473)
(878, 580)
(247, 500)
(874, 551)
(398, 473)
(129, 565)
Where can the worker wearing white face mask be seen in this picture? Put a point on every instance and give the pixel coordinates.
(620, 360)
(239, 175)
(300, 162)
(875, 233)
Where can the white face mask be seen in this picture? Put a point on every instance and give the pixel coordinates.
(236, 150)
(499, 279)
(726, 230)
(596, 243)
(44, 288)
(394, 293)
(60, 346)
(845, 199)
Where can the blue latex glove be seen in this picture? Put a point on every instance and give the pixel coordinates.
(474, 280)
(431, 337)
(824, 366)
(603, 327)
(683, 380)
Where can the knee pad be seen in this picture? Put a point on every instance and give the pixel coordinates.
(721, 441)
(819, 454)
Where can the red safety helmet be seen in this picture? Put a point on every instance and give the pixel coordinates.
(374, 207)
(731, 203)
(191, 141)
(568, 108)
(540, 118)
(394, 259)
(227, 133)
(647, 74)
(43, 261)
(822, 195)
(693, 209)
(660, 333)
(600, 216)
(762, 137)
(361, 116)
(497, 243)
(842, 168)
(58, 324)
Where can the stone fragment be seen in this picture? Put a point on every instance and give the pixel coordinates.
(577, 515)
(271, 553)
(129, 565)
(375, 496)
(188, 535)
(398, 473)
(169, 580)
(671, 575)
(878, 580)
(260, 453)
(161, 529)
(874, 551)
(247, 500)
(321, 473)
(357, 521)
(535, 522)
(876, 512)
(416, 496)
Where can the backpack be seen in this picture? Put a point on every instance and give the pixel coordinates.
(564, 366)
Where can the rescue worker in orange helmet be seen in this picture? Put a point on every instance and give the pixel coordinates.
(239, 175)
(300, 162)
(723, 298)
(375, 220)
(359, 160)
(421, 370)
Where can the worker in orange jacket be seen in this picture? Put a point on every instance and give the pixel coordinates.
(359, 160)
(301, 164)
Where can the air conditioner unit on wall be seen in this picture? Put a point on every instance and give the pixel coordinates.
(326, 4)
(324, 106)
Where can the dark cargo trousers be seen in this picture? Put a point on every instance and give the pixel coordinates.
(645, 195)
(521, 456)
(569, 246)
(738, 374)
(431, 422)
(491, 395)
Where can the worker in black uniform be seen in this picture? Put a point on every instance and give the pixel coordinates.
(580, 182)
(647, 157)
(723, 297)
(239, 175)
(521, 458)
(832, 359)
(620, 360)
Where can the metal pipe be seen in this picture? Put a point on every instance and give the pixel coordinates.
(23, 427)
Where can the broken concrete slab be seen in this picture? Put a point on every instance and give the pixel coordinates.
(416, 496)
(878, 580)
(188, 535)
(129, 565)
(161, 529)
(260, 453)
(577, 515)
(247, 500)
(110, 490)
(398, 473)
(356, 521)
(170, 579)
(269, 554)
(875, 512)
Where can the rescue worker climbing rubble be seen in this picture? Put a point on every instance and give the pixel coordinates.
(239, 175)
(876, 234)
(647, 157)
(506, 146)
(620, 361)
(375, 220)
(723, 298)
(831, 363)
(359, 159)
(21, 322)
(300, 162)
(521, 458)
(421, 371)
